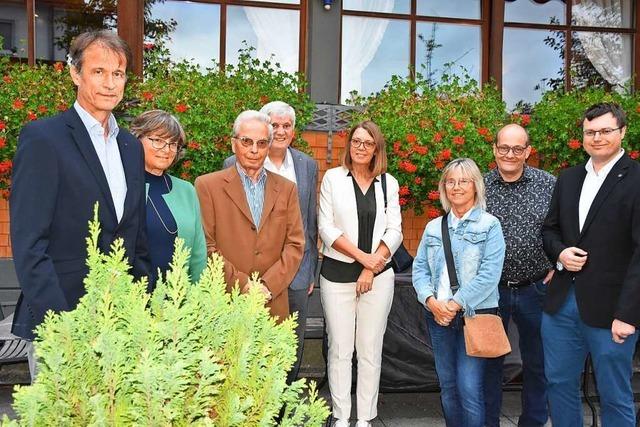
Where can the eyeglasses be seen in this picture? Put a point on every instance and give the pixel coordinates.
(357, 143)
(517, 150)
(462, 182)
(590, 133)
(159, 144)
(248, 142)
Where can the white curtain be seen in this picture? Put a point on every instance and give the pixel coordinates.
(278, 35)
(361, 38)
(608, 53)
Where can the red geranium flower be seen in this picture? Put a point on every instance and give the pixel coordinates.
(181, 108)
(433, 195)
(404, 191)
(457, 125)
(5, 167)
(3, 142)
(403, 201)
(185, 176)
(18, 104)
(148, 46)
(439, 164)
(7, 79)
(148, 96)
(574, 144)
(458, 140)
(407, 166)
(437, 137)
(342, 133)
(483, 131)
(187, 164)
(445, 154)
(422, 150)
(61, 107)
(58, 67)
(264, 99)
(3, 125)
(492, 165)
(638, 108)
(31, 116)
(193, 145)
(411, 138)
(396, 147)
(533, 151)
(42, 109)
(418, 180)
(525, 119)
(433, 212)
(634, 154)
(564, 164)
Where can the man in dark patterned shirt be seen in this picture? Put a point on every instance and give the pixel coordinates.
(519, 196)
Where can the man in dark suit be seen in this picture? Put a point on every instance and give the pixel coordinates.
(592, 304)
(301, 169)
(62, 167)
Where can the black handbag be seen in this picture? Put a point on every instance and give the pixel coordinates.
(401, 259)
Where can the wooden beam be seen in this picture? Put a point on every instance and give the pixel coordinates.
(495, 41)
(31, 31)
(636, 48)
(131, 29)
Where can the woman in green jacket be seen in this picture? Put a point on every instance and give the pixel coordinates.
(172, 205)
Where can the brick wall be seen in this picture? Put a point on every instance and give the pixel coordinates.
(412, 225)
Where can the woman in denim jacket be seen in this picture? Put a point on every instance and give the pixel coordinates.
(478, 249)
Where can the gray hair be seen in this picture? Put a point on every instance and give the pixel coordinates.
(250, 115)
(160, 122)
(280, 108)
(469, 169)
(107, 38)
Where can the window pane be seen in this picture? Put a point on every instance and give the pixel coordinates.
(280, 1)
(601, 59)
(388, 6)
(196, 35)
(58, 24)
(447, 49)
(373, 50)
(255, 26)
(531, 63)
(592, 13)
(13, 28)
(531, 11)
(450, 8)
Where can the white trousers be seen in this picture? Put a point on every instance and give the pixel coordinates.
(361, 321)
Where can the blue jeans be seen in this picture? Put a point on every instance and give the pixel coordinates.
(524, 305)
(460, 376)
(567, 340)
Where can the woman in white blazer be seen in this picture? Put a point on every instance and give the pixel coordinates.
(356, 282)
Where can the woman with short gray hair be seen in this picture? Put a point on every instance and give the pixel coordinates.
(173, 209)
(478, 248)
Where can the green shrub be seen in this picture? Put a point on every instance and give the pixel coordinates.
(189, 354)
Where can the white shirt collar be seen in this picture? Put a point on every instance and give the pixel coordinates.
(604, 171)
(288, 162)
(90, 122)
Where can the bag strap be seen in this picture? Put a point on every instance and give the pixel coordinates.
(383, 181)
(448, 254)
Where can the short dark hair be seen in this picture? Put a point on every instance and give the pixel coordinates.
(107, 38)
(603, 108)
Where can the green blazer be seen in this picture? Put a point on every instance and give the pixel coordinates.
(183, 204)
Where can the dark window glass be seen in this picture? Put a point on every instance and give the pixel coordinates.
(13, 25)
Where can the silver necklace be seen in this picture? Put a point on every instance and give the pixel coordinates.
(158, 213)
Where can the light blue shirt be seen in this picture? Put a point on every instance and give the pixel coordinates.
(254, 192)
(478, 250)
(108, 154)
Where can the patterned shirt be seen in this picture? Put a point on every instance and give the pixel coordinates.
(254, 192)
(521, 206)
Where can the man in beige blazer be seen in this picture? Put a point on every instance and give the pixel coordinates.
(251, 216)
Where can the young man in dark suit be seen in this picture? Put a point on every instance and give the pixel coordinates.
(592, 233)
(62, 167)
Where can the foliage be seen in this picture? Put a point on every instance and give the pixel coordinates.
(189, 354)
(205, 101)
(427, 125)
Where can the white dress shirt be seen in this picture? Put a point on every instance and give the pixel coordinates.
(444, 287)
(591, 185)
(285, 170)
(109, 155)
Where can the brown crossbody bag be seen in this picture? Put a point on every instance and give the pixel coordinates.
(484, 334)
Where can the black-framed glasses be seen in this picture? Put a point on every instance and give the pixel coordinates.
(248, 142)
(368, 144)
(159, 144)
(462, 182)
(591, 133)
(517, 150)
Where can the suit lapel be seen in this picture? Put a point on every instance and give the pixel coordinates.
(130, 166)
(616, 174)
(85, 146)
(271, 190)
(574, 202)
(235, 191)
